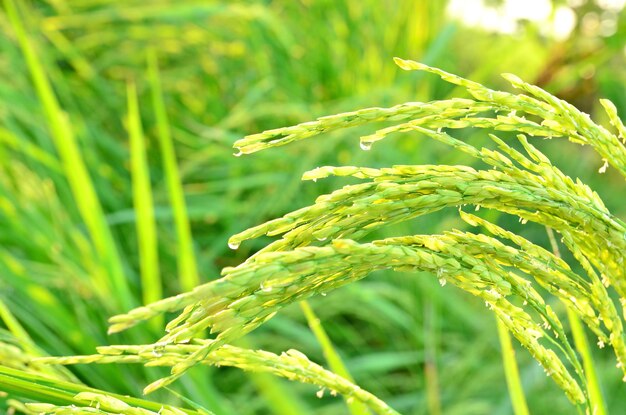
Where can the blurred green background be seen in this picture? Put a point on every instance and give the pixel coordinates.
(231, 68)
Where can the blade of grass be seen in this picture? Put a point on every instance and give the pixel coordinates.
(27, 343)
(277, 395)
(191, 403)
(187, 271)
(113, 281)
(43, 389)
(74, 57)
(201, 385)
(12, 141)
(144, 209)
(15, 327)
(185, 255)
(431, 374)
(330, 354)
(511, 371)
(582, 346)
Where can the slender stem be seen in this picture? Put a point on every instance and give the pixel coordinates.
(582, 346)
(511, 372)
(331, 355)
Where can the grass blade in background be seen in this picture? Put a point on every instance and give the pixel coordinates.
(278, 399)
(511, 371)
(112, 282)
(10, 140)
(582, 346)
(151, 286)
(43, 389)
(78, 62)
(15, 327)
(185, 255)
(331, 355)
(431, 373)
(509, 361)
(186, 259)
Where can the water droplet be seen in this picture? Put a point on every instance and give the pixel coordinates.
(233, 245)
(365, 146)
(238, 153)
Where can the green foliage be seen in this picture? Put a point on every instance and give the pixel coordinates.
(77, 248)
(528, 186)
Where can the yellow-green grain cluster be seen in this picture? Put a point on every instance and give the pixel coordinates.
(291, 364)
(319, 247)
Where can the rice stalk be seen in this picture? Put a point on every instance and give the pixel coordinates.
(291, 364)
(319, 248)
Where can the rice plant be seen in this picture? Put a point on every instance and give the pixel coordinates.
(543, 300)
(325, 246)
